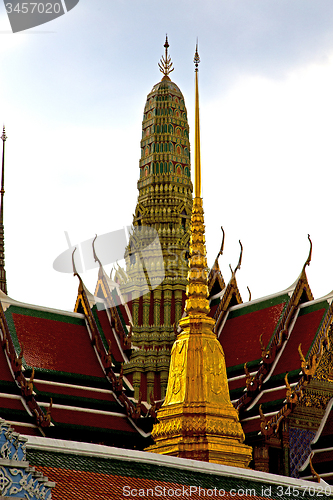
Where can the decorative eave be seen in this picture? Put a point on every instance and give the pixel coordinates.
(215, 275)
(104, 285)
(301, 292)
(230, 295)
(133, 411)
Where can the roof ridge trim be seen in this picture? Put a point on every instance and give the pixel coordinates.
(101, 451)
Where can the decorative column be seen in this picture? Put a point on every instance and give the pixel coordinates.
(136, 384)
(146, 307)
(178, 305)
(167, 293)
(164, 382)
(150, 384)
(135, 309)
(157, 306)
(261, 458)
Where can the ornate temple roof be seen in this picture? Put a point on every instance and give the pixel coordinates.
(64, 366)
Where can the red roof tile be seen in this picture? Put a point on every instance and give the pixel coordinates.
(56, 345)
(109, 335)
(252, 425)
(240, 335)
(269, 396)
(236, 384)
(80, 485)
(29, 431)
(81, 392)
(303, 332)
(91, 419)
(11, 403)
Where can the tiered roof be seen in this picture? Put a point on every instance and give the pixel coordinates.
(62, 378)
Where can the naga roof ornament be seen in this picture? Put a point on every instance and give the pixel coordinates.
(165, 63)
(308, 260)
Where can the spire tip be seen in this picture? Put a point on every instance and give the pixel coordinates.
(165, 63)
(196, 59)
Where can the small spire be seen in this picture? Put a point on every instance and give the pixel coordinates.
(3, 281)
(165, 63)
(4, 138)
(197, 159)
(196, 59)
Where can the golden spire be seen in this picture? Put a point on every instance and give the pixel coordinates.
(197, 419)
(197, 289)
(197, 158)
(3, 282)
(165, 63)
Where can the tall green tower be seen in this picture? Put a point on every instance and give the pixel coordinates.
(164, 205)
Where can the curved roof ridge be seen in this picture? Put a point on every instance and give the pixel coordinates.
(261, 299)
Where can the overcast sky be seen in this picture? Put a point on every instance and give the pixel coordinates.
(72, 95)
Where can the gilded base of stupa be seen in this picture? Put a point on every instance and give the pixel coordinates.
(200, 437)
(197, 419)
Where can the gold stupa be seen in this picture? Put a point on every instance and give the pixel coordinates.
(197, 419)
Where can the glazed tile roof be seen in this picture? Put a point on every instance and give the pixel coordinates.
(246, 323)
(63, 341)
(69, 379)
(84, 471)
(304, 331)
(117, 352)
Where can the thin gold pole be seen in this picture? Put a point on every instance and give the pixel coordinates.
(197, 159)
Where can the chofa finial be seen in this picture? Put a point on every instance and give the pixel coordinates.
(165, 63)
(308, 260)
(233, 273)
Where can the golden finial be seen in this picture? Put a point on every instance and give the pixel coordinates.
(75, 273)
(3, 137)
(197, 159)
(94, 252)
(239, 261)
(196, 59)
(308, 260)
(197, 289)
(250, 295)
(222, 244)
(165, 63)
